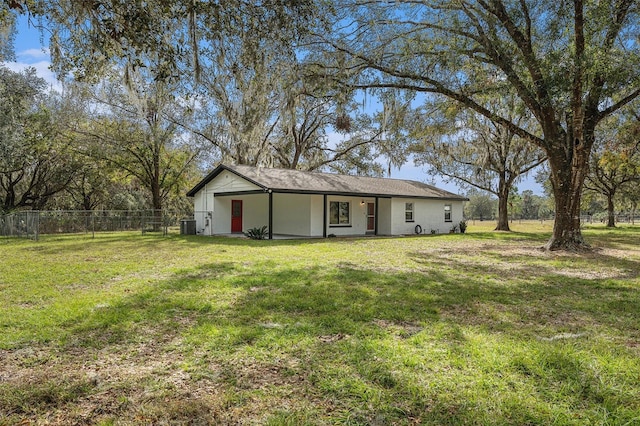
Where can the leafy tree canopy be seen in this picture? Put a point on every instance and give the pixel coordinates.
(571, 63)
(86, 36)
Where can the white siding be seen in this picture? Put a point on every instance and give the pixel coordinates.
(198, 210)
(218, 213)
(229, 182)
(292, 214)
(221, 216)
(429, 214)
(255, 210)
(203, 212)
(198, 201)
(384, 216)
(317, 219)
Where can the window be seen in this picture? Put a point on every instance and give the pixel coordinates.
(408, 212)
(447, 213)
(339, 213)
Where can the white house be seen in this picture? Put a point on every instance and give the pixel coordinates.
(233, 199)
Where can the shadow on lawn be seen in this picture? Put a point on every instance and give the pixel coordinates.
(337, 301)
(328, 318)
(537, 293)
(77, 243)
(345, 311)
(339, 334)
(541, 237)
(122, 241)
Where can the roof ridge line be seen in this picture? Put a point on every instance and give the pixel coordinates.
(328, 173)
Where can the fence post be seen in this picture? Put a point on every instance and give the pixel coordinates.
(37, 226)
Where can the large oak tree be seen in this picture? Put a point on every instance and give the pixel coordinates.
(36, 161)
(132, 128)
(571, 63)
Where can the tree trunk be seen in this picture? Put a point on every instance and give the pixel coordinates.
(156, 190)
(568, 172)
(10, 198)
(86, 202)
(156, 195)
(156, 200)
(503, 200)
(611, 221)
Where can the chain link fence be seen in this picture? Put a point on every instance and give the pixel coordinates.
(32, 224)
(20, 224)
(627, 218)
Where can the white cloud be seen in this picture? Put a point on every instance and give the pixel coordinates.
(34, 54)
(42, 70)
(335, 138)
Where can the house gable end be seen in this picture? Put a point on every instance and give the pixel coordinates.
(224, 179)
(228, 181)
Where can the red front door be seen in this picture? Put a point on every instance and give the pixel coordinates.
(236, 215)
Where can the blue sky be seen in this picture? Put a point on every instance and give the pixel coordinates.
(31, 52)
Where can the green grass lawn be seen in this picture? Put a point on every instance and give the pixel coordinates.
(481, 328)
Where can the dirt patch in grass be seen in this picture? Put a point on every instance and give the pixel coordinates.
(145, 382)
(526, 260)
(402, 329)
(518, 318)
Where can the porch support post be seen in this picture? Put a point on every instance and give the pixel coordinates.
(324, 216)
(375, 219)
(270, 215)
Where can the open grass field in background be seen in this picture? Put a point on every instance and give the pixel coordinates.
(477, 328)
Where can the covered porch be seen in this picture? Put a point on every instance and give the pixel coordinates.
(294, 215)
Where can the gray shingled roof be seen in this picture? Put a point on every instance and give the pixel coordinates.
(286, 180)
